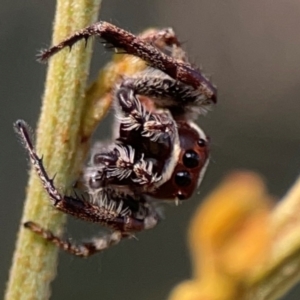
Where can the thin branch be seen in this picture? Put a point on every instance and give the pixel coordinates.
(60, 142)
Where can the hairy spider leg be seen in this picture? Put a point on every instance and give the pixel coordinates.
(180, 99)
(131, 44)
(86, 249)
(106, 213)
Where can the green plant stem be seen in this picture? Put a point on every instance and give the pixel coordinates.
(59, 140)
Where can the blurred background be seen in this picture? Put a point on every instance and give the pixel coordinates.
(252, 51)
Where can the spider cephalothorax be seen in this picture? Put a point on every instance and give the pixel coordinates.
(158, 152)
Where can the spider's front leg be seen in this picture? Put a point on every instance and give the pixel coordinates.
(108, 209)
(131, 44)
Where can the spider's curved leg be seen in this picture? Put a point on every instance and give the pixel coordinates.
(180, 99)
(109, 210)
(131, 44)
(129, 225)
(143, 218)
(84, 249)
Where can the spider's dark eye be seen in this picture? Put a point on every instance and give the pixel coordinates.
(183, 178)
(181, 196)
(201, 142)
(191, 159)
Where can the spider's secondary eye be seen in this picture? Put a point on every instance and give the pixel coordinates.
(183, 178)
(181, 196)
(191, 159)
(201, 142)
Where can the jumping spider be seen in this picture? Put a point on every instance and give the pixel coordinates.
(158, 152)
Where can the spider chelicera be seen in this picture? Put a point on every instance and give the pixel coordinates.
(157, 153)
